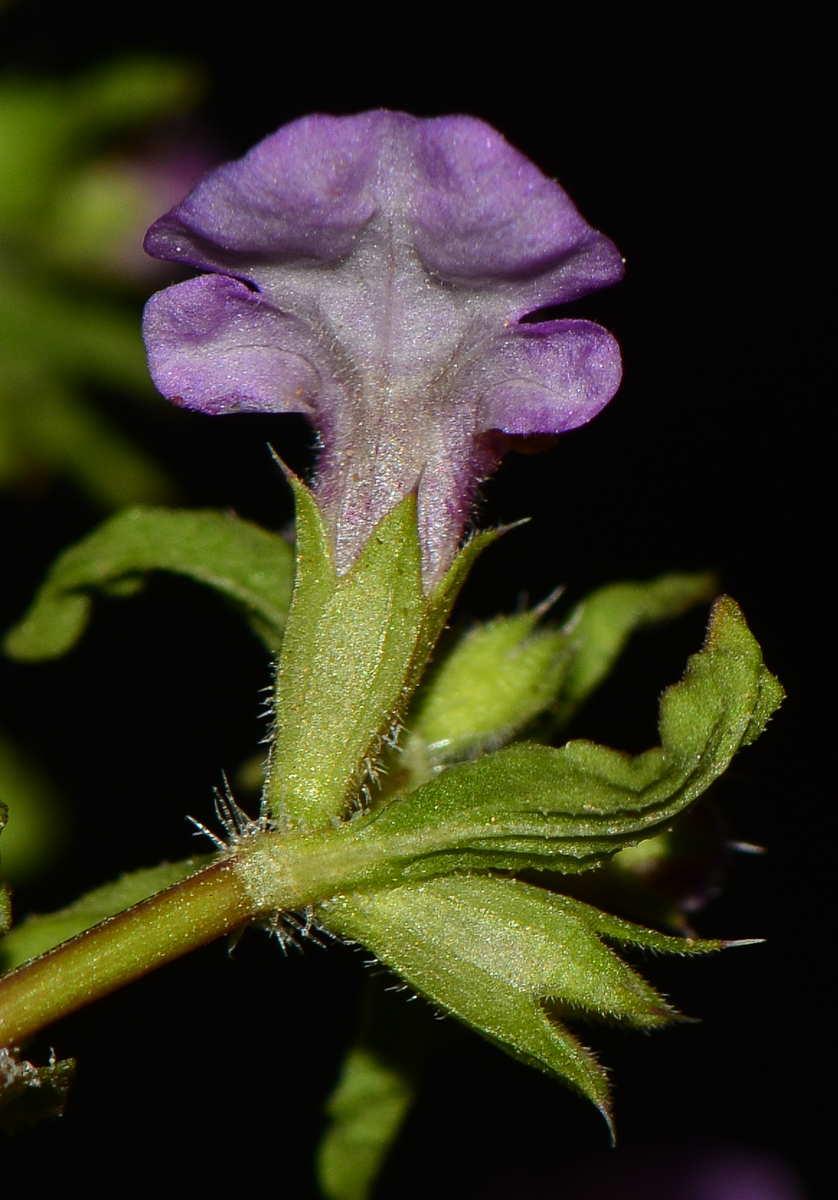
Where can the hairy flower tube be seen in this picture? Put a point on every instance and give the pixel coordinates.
(371, 272)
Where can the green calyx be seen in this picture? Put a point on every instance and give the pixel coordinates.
(355, 647)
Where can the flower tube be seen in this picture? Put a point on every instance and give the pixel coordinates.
(371, 272)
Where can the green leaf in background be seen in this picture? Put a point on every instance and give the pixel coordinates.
(503, 674)
(49, 128)
(531, 806)
(377, 1086)
(47, 424)
(599, 627)
(509, 960)
(250, 566)
(40, 932)
(30, 1094)
(47, 430)
(37, 821)
(69, 247)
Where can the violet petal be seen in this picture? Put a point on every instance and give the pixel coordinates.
(215, 345)
(370, 272)
(547, 378)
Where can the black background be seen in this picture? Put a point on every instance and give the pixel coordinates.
(695, 141)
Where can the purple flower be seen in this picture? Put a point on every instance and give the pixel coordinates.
(371, 272)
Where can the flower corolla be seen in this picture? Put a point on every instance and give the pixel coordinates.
(371, 272)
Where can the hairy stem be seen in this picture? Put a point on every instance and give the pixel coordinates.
(121, 949)
(262, 874)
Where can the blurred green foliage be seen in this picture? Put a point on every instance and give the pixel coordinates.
(38, 822)
(72, 216)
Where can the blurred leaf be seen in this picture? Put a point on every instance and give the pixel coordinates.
(508, 959)
(49, 430)
(57, 336)
(250, 566)
(367, 1110)
(599, 627)
(37, 822)
(377, 1087)
(132, 92)
(30, 1094)
(49, 126)
(48, 334)
(531, 806)
(39, 933)
(49, 345)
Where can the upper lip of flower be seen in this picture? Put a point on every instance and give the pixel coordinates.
(371, 272)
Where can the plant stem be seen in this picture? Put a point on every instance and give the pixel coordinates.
(262, 874)
(123, 948)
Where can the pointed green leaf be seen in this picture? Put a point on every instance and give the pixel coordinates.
(569, 809)
(442, 599)
(503, 674)
(627, 933)
(599, 627)
(507, 959)
(440, 937)
(250, 566)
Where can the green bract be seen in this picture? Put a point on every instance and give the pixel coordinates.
(506, 958)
